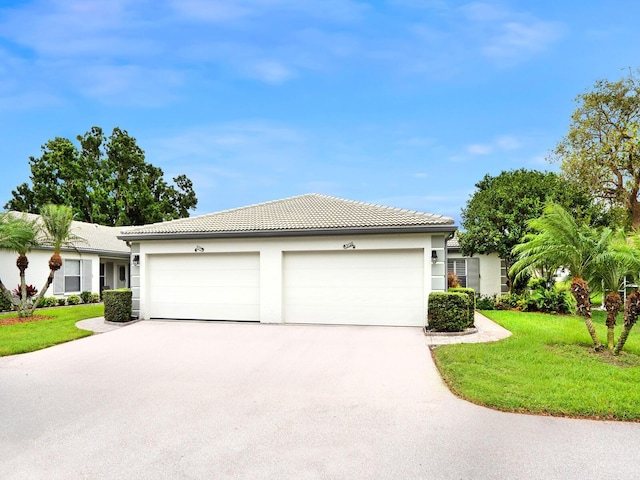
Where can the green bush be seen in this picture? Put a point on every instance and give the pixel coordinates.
(62, 302)
(117, 305)
(485, 302)
(85, 296)
(510, 301)
(448, 312)
(5, 304)
(95, 298)
(46, 302)
(73, 300)
(471, 293)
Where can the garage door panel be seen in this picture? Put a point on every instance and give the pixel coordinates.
(220, 286)
(384, 287)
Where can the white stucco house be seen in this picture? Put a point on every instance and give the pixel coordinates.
(486, 274)
(305, 259)
(100, 261)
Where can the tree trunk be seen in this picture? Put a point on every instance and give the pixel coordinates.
(580, 291)
(631, 312)
(38, 297)
(613, 304)
(634, 206)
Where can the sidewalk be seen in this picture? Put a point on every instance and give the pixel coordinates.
(488, 331)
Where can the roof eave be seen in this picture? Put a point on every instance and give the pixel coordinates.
(291, 233)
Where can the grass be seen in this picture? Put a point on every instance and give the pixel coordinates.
(60, 328)
(548, 367)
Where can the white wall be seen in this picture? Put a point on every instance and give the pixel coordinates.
(38, 270)
(489, 272)
(271, 250)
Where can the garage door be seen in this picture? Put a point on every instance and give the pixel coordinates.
(204, 286)
(354, 287)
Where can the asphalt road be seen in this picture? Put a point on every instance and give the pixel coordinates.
(189, 400)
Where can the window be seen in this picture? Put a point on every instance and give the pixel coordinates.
(459, 267)
(72, 275)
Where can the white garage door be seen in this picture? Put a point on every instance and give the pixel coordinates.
(205, 286)
(355, 287)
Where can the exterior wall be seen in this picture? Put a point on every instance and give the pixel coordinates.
(38, 270)
(271, 251)
(490, 273)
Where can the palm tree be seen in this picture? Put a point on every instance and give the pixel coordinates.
(19, 235)
(609, 269)
(56, 233)
(631, 313)
(560, 241)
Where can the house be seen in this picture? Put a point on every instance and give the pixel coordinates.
(99, 261)
(486, 274)
(305, 259)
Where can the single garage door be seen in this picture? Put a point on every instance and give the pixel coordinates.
(355, 287)
(204, 286)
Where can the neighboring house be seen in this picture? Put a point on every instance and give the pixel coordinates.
(305, 259)
(486, 274)
(100, 261)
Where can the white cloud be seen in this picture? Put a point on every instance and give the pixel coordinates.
(479, 149)
(270, 71)
(507, 142)
(515, 39)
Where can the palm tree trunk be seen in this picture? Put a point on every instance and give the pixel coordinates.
(631, 313)
(613, 304)
(44, 289)
(580, 291)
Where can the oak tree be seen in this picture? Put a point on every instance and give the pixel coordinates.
(106, 181)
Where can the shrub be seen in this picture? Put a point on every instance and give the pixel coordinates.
(85, 296)
(95, 298)
(510, 301)
(31, 291)
(48, 302)
(471, 293)
(62, 302)
(448, 312)
(554, 300)
(5, 304)
(73, 300)
(452, 280)
(117, 305)
(485, 302)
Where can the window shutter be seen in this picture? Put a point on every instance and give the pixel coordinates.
(473, 274)
(86, 276)
(58, 281)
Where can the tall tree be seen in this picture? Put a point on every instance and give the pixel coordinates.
(602, 148)
(495, 217)
(106, 181)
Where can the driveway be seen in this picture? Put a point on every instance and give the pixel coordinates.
(189, 400)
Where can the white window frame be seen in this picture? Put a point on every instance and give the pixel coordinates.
(455, 262)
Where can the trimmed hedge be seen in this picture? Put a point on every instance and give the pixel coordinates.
(117, 305)
(448, 312)
(472, 301)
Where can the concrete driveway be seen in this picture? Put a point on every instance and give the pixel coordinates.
(194, 400)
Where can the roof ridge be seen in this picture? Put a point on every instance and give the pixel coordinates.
(385, 207)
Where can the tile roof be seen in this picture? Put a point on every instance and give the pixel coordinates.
(96, 238)
(310, 212)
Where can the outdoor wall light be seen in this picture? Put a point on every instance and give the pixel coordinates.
(136, 261)
(434, 256)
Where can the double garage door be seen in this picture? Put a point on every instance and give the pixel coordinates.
(355, 287)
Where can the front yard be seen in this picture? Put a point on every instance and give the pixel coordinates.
(58, 328)
(547, 367)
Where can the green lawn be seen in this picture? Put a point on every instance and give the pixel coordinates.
(546, 367)
(30, 336)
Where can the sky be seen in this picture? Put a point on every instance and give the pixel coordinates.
(406, 103)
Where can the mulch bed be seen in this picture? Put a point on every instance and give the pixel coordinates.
(14, 320)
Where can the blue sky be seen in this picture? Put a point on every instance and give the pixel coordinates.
(405, 103)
